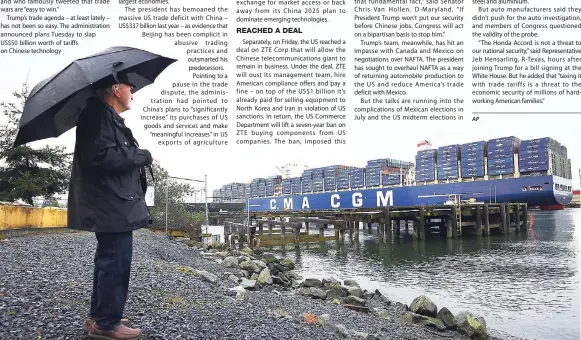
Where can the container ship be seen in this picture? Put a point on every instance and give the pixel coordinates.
(500, 170)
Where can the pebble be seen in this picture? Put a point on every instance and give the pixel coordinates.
(46, 283)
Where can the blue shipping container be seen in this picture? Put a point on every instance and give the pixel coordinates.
(540, 151)
(502, 150)
(534, 168)
(447, 168)
(533, 157)
(425, 161)
(535, 143)
(447, 164)
(480, 153)
(472, 168)
(453, 147)
(505, 160)
(501, 155)
(476, 146)
(505, 140)
(473, 173)
(448, 159)
(500, 166)
(530, 162)
(472, 161)
(497, 172)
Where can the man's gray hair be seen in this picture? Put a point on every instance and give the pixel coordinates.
(105, 90)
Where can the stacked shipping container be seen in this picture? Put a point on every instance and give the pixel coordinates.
(216, 195)
(501, 155)
(336, 177)
(447, 162)
(472, 159)
(286, 186)
(233, 191)
(296, 186)
(395, 172)
(318, 180)
(537, 156)
(425, 165)
(373, 173)
(307, 181)
(259, 187)
(385, 171)
(343, 178)
(357, 178)
(273, 185)
(247, 190)
(533, 155)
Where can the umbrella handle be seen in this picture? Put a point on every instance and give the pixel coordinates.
(114, 72)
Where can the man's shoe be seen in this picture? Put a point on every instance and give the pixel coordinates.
(121, 332)
(90, 321)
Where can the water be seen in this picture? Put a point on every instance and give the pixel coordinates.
(525, 285)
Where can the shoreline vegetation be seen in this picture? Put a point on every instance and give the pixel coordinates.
(180, 289)
(258, 270)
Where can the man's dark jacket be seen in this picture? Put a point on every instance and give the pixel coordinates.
(108, 182)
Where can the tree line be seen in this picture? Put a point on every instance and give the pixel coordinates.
(27, 173)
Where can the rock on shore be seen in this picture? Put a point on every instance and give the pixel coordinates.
(180, 289)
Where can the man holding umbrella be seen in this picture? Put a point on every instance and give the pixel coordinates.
(108, 178)
(106, 197)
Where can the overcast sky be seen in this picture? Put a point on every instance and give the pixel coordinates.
(365, 140)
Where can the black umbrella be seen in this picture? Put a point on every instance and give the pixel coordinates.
(54, 105)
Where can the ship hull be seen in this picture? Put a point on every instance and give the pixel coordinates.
(535, 191)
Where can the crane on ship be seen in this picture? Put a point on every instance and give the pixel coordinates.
(288, 171)
(291, 170)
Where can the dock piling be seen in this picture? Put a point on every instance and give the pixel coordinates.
(479, 220)
(454, 217)
(387, 224)
(526, 216)
(503, 218)
(350, 226)
(251, 235)
(240, 237)
(486, 219)
(298, 234)
(508, 218)
(422, 223)
(517, 216)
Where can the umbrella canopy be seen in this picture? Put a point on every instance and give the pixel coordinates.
(54, 105)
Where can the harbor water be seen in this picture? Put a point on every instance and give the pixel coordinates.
(525, 285)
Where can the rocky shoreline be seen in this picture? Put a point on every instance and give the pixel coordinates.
(255, 270)
(182, 290)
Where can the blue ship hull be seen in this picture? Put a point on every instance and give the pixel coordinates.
(536, 191)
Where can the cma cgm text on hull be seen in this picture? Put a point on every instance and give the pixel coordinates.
(357, 200)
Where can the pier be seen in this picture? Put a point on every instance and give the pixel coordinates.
(451, 221)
